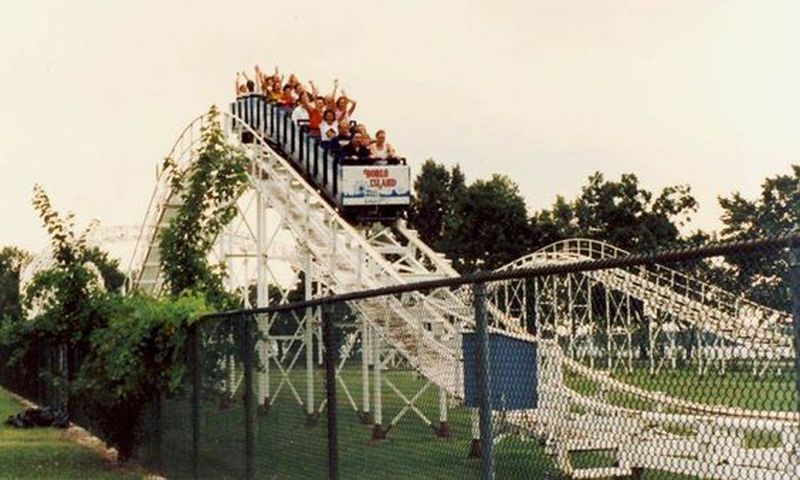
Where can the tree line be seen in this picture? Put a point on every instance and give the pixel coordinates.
(486, 224)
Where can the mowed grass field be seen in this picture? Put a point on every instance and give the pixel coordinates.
(287, 447)
(46, 453)
(737, 388)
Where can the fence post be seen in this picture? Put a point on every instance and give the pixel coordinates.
(794, 274)
(249, 398)
(157, 429)
(482, 364)
(330, 390)
(195, 399)
(70, 360)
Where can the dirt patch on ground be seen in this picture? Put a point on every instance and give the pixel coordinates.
(82, 437)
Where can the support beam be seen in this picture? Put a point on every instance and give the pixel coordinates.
(262, 300)
(443, 429)
(308, 343)
(475, 443)
(365, 354)
(611, 351)
(330, 390)
(378, 433)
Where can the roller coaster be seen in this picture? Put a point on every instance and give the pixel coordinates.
(294, 190)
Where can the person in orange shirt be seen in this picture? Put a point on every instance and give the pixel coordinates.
(287, 97)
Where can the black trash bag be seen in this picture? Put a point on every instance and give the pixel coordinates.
(60, 419)
(39, 417)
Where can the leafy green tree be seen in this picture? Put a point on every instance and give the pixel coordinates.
(554, 224)
(432, 205)
(776, 211)
(619, 212)
(113, 278)
(631, 217)
(489, 226)
(457, 186)
(59, 301)
(208, 192)
(60, 297)
(481, 225)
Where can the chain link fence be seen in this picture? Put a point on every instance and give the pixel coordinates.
(577, 361)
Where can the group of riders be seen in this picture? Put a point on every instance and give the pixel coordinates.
(326, 117)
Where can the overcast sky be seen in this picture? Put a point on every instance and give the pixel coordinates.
(92, 94)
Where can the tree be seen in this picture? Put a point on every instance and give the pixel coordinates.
(458, 185)
(12, 261)
(113, 278)
(489, 226)
(121, 353)
(485, 224)
(776, 211)
(557, 223)
(619, 212)
(60, 296)
(434, 190)
(136, 355)
(629, 217)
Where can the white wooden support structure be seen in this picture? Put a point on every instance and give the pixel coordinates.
(262, 300)
(366, 352)
(308, 341)
(349, 258)
(378, 432)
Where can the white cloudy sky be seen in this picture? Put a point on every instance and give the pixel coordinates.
(93, 93)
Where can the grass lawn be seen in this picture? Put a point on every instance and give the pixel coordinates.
(736, 388)
(46, 453)
(288, 448)
(740, 388)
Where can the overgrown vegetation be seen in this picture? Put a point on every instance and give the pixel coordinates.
(125, 351)
(208, 191)
(121, 352)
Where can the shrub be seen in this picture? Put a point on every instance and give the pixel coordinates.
(136, 357)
